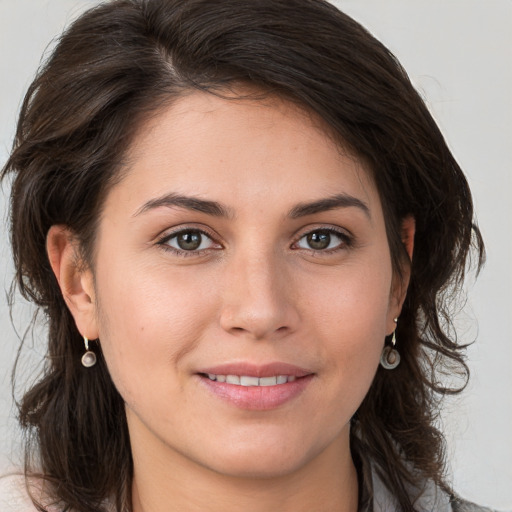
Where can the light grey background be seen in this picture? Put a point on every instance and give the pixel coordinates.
(459, 55)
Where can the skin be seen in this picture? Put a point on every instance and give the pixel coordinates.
(255, 291)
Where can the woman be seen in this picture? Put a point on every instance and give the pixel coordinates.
(243, 225)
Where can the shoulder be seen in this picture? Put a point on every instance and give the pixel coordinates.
(429, 497)
(460, 505)
(14, 495)
(15, 492)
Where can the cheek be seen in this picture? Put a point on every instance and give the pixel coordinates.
(354, 301)
(149, 321)
(350, 314)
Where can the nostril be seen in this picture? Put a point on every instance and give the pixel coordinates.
(259, 319)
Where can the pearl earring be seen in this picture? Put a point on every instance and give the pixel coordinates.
(89, 358)
(390, 357)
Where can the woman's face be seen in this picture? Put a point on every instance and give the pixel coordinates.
(241, 246)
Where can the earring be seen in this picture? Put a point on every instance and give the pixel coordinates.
(390, 358)
(89, 358)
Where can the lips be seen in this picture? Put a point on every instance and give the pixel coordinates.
(256, 387)
(249, 380)
(253, 370)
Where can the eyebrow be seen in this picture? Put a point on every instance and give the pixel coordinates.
(216, 209)
(190, 203)
(329, 203)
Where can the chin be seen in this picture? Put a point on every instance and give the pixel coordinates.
(262, 462)
(258, 470)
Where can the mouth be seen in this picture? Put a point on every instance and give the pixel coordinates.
(256, 388)
(251, 381)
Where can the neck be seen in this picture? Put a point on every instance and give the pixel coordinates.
(169, 482)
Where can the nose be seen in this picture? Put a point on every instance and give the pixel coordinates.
(257, 298)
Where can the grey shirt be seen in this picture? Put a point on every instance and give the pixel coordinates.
(374, 496)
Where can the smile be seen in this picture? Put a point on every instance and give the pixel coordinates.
(248, 381)
(256, 387)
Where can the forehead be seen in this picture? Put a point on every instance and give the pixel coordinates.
(208, 145)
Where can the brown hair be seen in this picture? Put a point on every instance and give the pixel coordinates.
(118, 64)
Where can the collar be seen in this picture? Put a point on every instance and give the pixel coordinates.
(374, 496)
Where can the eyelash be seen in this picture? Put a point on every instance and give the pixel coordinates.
(346, 241)
(165, 239)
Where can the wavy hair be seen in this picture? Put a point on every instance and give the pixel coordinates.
(119, 64)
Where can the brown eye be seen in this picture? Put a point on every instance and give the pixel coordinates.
(322, 239)
(319, 240)
(190, 240)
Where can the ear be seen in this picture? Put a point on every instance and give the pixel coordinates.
(407, 231)
(74, 277)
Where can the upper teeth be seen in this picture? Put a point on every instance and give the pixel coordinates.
(246, 380)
